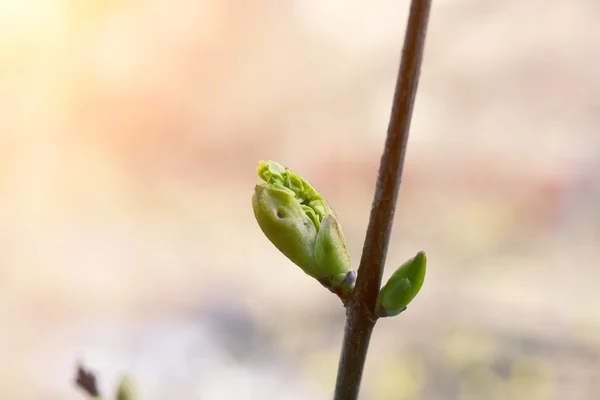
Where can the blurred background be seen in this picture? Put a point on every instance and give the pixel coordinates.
(129, 136)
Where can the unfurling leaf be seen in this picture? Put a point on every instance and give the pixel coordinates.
(300, 223)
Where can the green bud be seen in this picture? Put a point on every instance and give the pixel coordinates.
(402, 287)
(300, 223)
(126, 390)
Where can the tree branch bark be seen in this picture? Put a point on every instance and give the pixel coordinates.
(86, 380)
(360, 316)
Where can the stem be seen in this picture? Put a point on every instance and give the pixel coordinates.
(361, 318)
(86, 380)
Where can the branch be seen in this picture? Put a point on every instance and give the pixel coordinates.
(86, 380)
(361, 318)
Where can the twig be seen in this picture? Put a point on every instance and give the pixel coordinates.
(86, 380)
(361, 318)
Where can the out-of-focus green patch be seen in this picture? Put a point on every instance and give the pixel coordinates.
(463, 348)
(399, 378)
(532, 379)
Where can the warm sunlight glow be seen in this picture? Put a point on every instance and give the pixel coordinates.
(24, 16)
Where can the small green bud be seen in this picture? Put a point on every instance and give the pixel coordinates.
(402, 287)
(300, 223)
(126, 390)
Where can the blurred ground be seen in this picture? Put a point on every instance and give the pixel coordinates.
(129, 136)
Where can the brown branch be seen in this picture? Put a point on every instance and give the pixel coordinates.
(86, 380)
(361, 318)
